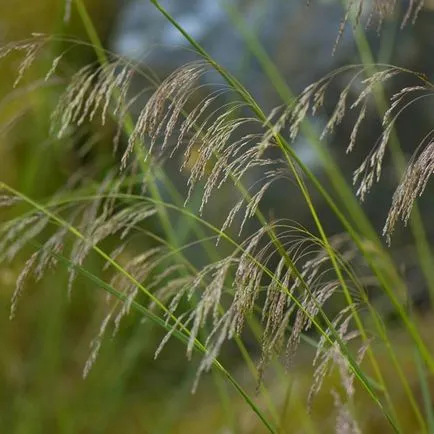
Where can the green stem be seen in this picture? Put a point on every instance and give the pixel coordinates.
(132, 279)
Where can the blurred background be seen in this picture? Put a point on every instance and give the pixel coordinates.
(43, 350)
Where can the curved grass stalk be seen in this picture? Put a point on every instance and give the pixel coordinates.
(245, 95)
(353, 365)
(128, 123)
(128, 126)
(333, 171)
(381, 329)
(76, 233)
(338, 181)
(58, 220)
(183, 334)
(306, 194)
(424, 251)
(120, 269)
(290, 156)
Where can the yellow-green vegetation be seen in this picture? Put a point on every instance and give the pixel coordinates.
(112, 269)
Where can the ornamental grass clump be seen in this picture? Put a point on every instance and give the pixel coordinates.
(291, 283)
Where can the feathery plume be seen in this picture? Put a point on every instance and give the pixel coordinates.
(412, 186)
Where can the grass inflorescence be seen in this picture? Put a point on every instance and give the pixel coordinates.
(282, 283)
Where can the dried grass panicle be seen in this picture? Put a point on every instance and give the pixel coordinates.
(277, 170)
(125, 308)
(195, 115)
(140, 267)
(54, 66)
(88, 224)
(90, 91)
(10, 233)
(19, 286)
(171, 290)
(68, 9)
(213, 344)
(274, 125)
(228, 144)
(234, 211)
(69, 106)
(412, 13)
(398, 98)
(95, 345)
(101, 218)
(98, 220)
(7, 200)
(339, 112)
(114, 254)
(301, 109)
(412, 186)
(230, 157)
(217, 135)
(313, 97)
(330, 355)
(210, 283)
(170, 273)
(376, 11)
(39, 262)
(356, 128)
(312, 288)
(162, 111)
(321, 287)
(30, 48)
(278, 309)
(247, 280)
(370, 169)
(20, 233)
(16, 234)
(370, 83)
(345, 420)
(381, 10)
(270, 177)
(177, 324)
(48, 253)
(232, 161)
(210, 300)
(206, 127)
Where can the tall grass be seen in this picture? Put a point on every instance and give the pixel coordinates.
(283, 283)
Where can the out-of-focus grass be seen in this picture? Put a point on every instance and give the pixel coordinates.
(22, 152)
(44, 348)
(43, 354)
(42, 390)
